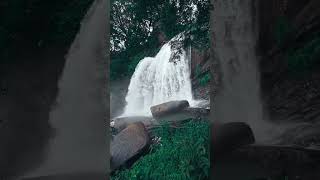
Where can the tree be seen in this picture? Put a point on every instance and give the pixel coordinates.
(136, 24)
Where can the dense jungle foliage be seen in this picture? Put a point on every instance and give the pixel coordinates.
(38, 24)
(137, 24)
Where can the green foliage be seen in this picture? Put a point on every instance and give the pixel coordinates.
(283, 31)
(140, 56)
(121, 67)
(67, 18)
(204, 79)
(183, 153)
(37, 23)
(304, 58)
(301, 57)
(135, 26)
(197, 71)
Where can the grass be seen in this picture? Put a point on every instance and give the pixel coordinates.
(183, 153)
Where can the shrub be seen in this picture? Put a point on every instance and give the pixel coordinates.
(203, 80)
(302, 59)
(183, 153)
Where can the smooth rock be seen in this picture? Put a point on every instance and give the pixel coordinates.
(129, 144)
(197, 112)
(122, 122)
(168, 108)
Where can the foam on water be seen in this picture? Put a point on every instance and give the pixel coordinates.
(159, 79)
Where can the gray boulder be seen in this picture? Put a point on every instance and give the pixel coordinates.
(122, 122)
(128, 145)
(168, 108)
(197, 112)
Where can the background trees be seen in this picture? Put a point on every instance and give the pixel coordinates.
(137, 24)
(34, 24)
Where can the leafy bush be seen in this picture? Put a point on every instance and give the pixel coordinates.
(125, 66)
(183, 153)
(302, 59)
(203, 80)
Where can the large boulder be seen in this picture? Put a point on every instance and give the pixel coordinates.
(230, 136)
(197, 112)
(128, 145)
(121, 123)
(168, 108)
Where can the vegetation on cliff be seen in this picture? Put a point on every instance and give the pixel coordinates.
(301, 56)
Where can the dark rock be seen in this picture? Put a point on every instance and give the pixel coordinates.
(230, 136)
(168, 108)
(277, 160)
(302, 135)
(197, 112)
(129, 144)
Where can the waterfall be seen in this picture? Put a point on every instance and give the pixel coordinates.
(160, 79)
(79, 118)
(235, 42)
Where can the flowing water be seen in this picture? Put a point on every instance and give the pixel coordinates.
(79, 118)
(159, 79)
(235, 39)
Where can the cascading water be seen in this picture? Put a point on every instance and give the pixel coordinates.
(235, 42)
(160, 79)
(79, 118)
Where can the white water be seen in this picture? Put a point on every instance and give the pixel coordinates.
(157, 80)
(79, 144)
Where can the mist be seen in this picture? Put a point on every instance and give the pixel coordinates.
(235, 47)
(79, 118)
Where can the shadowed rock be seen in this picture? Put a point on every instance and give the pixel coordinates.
(196, 112)
(129, 144)
(168, 108)
(230, 136)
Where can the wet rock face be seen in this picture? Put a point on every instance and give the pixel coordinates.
(288, 97)
(168, 108)
(129, 144)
